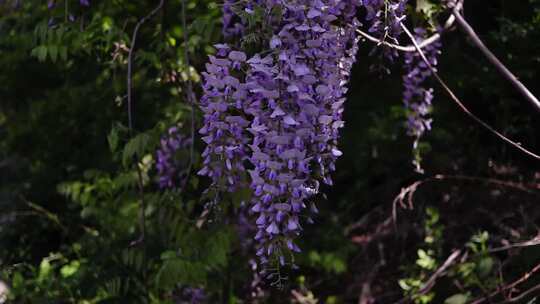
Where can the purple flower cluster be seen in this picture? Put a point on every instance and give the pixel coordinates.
(383, 18)
(52, 3)
(277, 116)
(170, 163)
(257, 292)
(416, 97)
(15, 4)
(235, 15)
(225, 122)
(192, 295)
(245, 229)
(232, 27)
(297, 106)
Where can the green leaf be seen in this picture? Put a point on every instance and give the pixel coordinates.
(107, 24)
(404, 285)
(70, 269)
(177, 271)
(135, 148)
(42, 31)
(334, 263)
(425, 260)
(40, 52)
(484, 267)
(44, 269)
(63, 53)
(314, 257)
(457, 299)
(425, 7)
(169, 254)
(112, 138)
(18, 280)
(59, 34)
(218, 247)
(53, 52)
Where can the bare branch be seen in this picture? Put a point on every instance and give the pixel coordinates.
(522, 295)
(431, 282)
(534, 242)
(189, 95)
(411, 48)
(406, 195)
(459, 103)
(494, 60)
(511, 286)
(492, 181)
(130, 118)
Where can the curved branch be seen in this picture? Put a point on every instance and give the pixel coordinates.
(511, 286)
(534, 242)
(523, 295)
(411, 48)
(431, 282)
(408, 48)
(494, 60)
(142, 219)
(459, 103)
(130, 61)
(189, 95)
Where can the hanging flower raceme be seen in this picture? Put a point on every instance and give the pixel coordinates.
(235, 15)
(52, 3)
(299, 93)
(272, 111)
(281, 110)
(384, 18)
(192, 295)
(171, 161)
(232, 26)
(224, 122)
(416, 97)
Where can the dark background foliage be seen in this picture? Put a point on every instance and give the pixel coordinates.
(69, 204)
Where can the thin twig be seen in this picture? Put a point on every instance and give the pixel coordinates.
(411, 48)
(494, 60)
(493, 181)
(189, 95)
(459, 103)
(42, 211)
(142, 220)
(407, 194)
(534, 242)
(522, 279)
(363, 221)
(431, 281)
(522, 295)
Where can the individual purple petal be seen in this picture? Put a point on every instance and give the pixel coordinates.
(272, 228)
(275, 42)
(237, 56)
